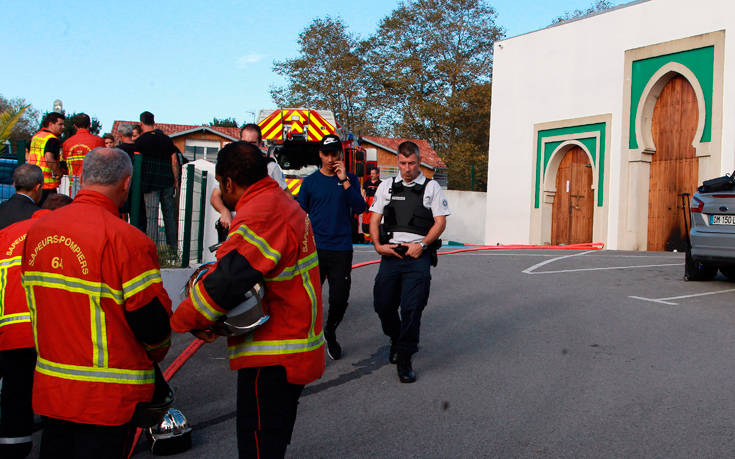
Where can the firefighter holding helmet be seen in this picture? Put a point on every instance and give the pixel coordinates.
(100, 315)
(270, 244)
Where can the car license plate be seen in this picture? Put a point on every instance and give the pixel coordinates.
(722, 219)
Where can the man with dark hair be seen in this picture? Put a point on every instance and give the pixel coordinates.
(251, 134)
(17, 351)
(415, 211)
(160, 179)
(27, 180)
(136, 132)
(109, 140)
(270, 243)
(83, 265)
(77, 146)
(331, 196)
(44, 152)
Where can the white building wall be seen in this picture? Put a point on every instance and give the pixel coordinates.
(465, 224)
(577, 70)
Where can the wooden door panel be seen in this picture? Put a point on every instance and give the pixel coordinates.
(572, 214)
(674, 168)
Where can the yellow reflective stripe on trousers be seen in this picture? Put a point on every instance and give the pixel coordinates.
(265, 249)
(141, 282)
(5, 265)
(99, 333)
(276, 347)
(72, 284)
(93, 374)
(11, 319)
(201, 304)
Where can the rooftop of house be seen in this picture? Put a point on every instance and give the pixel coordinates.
(429, 157)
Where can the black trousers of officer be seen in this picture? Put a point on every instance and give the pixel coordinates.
(16, 412)
(266, 411)
(65, 439)
(336, 268)
(402, 283)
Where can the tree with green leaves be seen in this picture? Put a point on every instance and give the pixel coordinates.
(327, 74)
(26, 125)
(224, 122)
(430, 68)
(598, 6)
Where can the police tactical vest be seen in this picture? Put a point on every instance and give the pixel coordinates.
(406, 211)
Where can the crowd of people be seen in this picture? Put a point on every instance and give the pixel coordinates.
(160, 172)
(84, 317)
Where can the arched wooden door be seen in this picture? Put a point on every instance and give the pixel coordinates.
(674, 169)
(574, 200)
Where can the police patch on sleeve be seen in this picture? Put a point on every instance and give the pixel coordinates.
(444, 203)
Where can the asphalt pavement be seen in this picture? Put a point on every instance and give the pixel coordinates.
(524, 353)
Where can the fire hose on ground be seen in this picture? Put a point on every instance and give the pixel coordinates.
(194, 346)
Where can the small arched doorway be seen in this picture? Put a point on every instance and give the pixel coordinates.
(674, 168)
(572, 214)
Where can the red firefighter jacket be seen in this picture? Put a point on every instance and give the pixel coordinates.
(77, 146)
(84, 270)
(15, 319)
(270, 239)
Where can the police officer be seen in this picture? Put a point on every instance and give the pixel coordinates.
(414, 213)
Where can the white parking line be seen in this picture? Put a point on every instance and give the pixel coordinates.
(605, 268)
(538, 265)
(668, 300)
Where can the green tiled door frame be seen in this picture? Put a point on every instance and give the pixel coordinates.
(551, 142)
(647, 70)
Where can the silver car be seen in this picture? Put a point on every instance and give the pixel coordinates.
(712, 234)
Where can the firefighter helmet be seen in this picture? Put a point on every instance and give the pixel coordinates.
(170, 436)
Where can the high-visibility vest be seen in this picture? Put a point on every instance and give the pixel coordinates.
(37, 156)
(15, 319)
(76, 147)
(274, 234)
(82, 269)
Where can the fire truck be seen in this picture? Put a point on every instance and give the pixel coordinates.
(292, 136)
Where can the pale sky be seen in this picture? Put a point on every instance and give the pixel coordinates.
(185, 61)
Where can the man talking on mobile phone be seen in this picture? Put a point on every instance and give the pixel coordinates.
(331, 196)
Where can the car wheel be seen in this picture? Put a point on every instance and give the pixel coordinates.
(698, 271)
(729, 272)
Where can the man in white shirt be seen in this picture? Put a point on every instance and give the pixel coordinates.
(249, 133)
(415, 211)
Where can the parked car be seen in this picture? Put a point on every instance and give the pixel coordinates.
(712, 233)
(8, 163)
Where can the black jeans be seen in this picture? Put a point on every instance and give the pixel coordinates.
(405, 283)
(336, 268)
(16, 413)
(65, 439)
(266, 411)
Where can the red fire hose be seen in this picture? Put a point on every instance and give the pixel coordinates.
(190, 350)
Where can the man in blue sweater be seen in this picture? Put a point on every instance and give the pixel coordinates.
(331, 196)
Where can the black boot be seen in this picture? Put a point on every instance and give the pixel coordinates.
(393, 354)
(405, 370)
(334, 350)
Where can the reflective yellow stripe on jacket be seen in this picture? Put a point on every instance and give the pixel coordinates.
(99, 371)
(5, 265)
(289, 346)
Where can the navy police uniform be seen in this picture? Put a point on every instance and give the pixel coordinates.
(408, 211)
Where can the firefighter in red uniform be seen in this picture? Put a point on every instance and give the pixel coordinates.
(77, 146)
(99, 314)
(44, 152)
(270, 242)
(17, 354)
